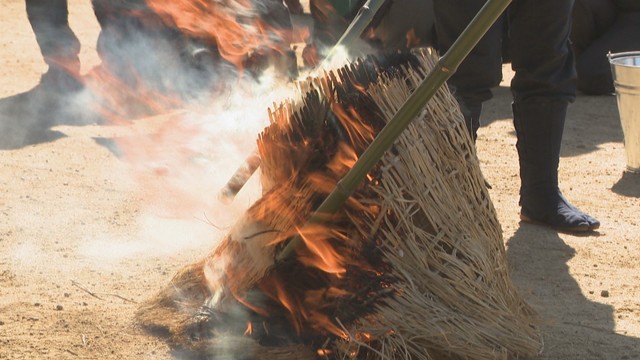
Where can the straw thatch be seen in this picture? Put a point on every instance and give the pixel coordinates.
(412, 267)
(442, 237)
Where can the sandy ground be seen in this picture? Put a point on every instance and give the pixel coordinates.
(85, 234)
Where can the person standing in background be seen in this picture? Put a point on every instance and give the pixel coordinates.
(543, 86)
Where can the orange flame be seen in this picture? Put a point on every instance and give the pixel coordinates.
(328, 249)
(344, 159)
(322, 254)
(273, 286)
(249, 330)
(324, 352)
(233, 25)
(309, 311)
(359, 131)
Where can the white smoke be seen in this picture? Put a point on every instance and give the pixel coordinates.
(178, 157)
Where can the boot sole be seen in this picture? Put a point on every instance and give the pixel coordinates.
(575, 229)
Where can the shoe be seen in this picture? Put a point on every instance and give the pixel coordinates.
(555, 211)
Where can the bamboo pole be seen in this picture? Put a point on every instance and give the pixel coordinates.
(362, 19)
(356, 28)
(412, 107)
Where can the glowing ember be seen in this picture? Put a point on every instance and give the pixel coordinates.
(412, 39)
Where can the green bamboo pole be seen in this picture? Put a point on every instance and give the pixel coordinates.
(412, 107)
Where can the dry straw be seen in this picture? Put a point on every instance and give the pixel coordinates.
(426, 208)
(444, 242)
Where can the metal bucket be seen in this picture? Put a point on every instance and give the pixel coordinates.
(625, 68)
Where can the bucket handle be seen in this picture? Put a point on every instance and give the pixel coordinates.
(614, 56)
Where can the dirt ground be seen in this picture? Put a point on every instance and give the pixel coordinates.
(86, 234)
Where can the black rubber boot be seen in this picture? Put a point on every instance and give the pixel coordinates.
(539, 127)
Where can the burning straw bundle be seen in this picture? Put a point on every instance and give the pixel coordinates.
(412, 267)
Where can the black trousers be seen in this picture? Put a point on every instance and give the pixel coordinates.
(537, 41)
(58, 44)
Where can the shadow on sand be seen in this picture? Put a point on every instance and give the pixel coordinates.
(573, 326)
(28, 118)
(628, 185)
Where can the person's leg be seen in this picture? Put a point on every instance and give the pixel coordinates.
(543, 86)
(482, 69)
(58, 44)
